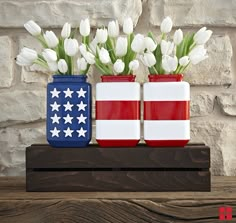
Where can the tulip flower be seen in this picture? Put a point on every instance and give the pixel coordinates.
(62, 66)
(29, 54)
(93, 45)
(198, 54)
(150, 45)
(101, 35)
(49, 55)
(178, 37)
(82, 64)
(89, 57)
(121, 46)
(52, 66)
(169, 63)
(166, 25)
(137, 44)
(33, 28)
(51, 39)
(202, 36)
(22, 61)
(184, 61)
(71, 47)
(104, 56)
(134, 65)
(113, 29)
(66, 30)
(84, 27)
(119, 66)
(167, 47)
(148, 59)
(128, 26)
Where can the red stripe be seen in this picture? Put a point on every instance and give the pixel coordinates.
(117, 142)
(167, 143)
(166, 110)
(117, 110)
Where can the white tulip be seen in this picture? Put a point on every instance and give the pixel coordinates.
(169, 63)
(202, 36)
(22, 61)
(121, 46)
(113, 29)
(84, 27)
(178, 36)
(167, 47)
(137, 44)
(148, 59)
(134, 65)
(83, 49)
(150, 45)
(81, 64)
(184, 61)
(89, 57)
(33, 28)
(71, 47)
(49, 55)
(104, 56)
(51, 39)
(198, 54)
(29, 54)
(52, 66)
(101, 35)
(66, 30)
(166, 25)
(62, 66)
(119, 66)
(93, 45)
(128, 26)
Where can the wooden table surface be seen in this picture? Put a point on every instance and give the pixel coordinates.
(16, 205)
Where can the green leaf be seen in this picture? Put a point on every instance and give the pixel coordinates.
(158, 56)
(110, 48)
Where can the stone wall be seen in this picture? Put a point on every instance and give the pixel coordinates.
(213, 82)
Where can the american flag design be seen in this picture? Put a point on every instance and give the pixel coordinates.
(69, 114)
(166, 113)
(118, 114)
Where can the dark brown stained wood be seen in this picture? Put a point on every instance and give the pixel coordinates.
(118, 181)
(191, 156)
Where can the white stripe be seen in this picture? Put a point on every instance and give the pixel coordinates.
(166, 91)
(118, 91)
(117, 129)
(166, 130)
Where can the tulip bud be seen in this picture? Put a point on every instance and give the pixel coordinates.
(89, 57)
(101, 35)
(167, 47)
(202, 36)
(104, 56)
(169, 63)
(84, 27)
(128, 26)
(150, 45)
(62, 66)
(184, 61)
(81, 64)
(119, 66)
(93, 45)
(52, 66)
(71, 47)
(166, 25)
(121, 46)
(51, 39)
(66, 30)
(33, 28)
(29, 54)
(198, 54)
(178, 37)
(22, 61)
(148, 59)
(49, 55)
(137, 44)
(113, 29)
(134, 65)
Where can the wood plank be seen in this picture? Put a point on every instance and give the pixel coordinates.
(118, 181)
(191, 156)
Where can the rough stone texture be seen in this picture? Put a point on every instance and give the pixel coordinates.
(54, 13)
(201, 104)
(210, 72)
(227, 102)
(194, 12)
(6, 62)
(22, 107)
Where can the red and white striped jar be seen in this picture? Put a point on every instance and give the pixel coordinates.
(166, 111)
(118, 111)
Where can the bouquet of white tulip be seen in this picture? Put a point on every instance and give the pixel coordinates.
(171, 55)
(111, 53)
(59, 53)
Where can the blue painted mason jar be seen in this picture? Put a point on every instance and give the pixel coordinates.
(69, 105)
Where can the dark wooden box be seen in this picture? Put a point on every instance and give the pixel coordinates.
(118, 169)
